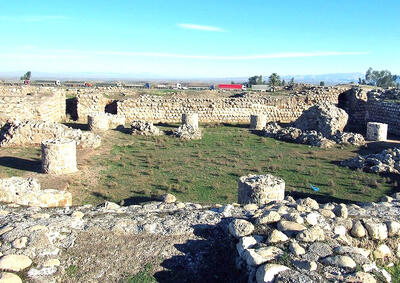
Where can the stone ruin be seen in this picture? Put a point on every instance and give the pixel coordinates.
(26, 191)
(260, 189)
(280, 240)
(144, 128)
(23, 133)
(189, 130)
(325, 118)
(322, 125)
(377, 131)
(100, 121)
(387, 161)
(257, 122)
(59, 156)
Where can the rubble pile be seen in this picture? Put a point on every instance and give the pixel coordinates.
(387, 161)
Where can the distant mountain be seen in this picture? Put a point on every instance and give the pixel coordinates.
(329, 79)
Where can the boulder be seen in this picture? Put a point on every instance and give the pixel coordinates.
(324, 117)
(144, 128)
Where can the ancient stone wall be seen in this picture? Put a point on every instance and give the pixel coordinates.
(88, 103)
(229, 110)
(35, 106)
(383, 112)
(365, 106)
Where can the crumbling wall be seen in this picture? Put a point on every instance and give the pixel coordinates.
(228, 110)
(23, 133)
(88, 103)
(365, 106)
(45, 106)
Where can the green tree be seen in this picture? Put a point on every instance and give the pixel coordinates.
(255, 80)
(274, 81)
(382, 78)
(322, 83)
(259, 80)
(26, 76)
(283, 83)
(291, 82)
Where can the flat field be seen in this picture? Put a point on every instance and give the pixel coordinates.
(131, 169)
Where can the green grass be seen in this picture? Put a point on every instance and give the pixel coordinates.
(71, 271)
(135, 168)
(395, 272)
(207, 170)
(143, 276)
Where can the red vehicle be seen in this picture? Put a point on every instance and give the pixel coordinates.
(27, 82)
(88, 84)
(232, 86)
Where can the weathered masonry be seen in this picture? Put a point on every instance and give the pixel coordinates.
(222, 110)
(35, 106)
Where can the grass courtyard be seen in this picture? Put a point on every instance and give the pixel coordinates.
(131, 169)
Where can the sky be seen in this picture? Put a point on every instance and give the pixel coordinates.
(216, 38)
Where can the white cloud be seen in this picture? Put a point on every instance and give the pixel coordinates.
(200, 27)
(33, 18)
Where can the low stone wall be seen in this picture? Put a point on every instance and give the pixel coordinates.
(228, 110)
(14, 134)
(47, 107)
(219, 110)
(26, 191)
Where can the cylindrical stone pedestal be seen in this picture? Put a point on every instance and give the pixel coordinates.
(59, 156)
(98, 122)
(377, 131)
(191, 119)
(257, 122)
(260, 189)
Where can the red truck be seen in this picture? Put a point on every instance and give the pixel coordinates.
(232, 86)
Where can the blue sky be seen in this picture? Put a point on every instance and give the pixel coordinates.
(200, 38)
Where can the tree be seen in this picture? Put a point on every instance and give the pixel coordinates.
(259, 80)
(322, 83)
(255, 80)
(291, 82)
(274, 80)
(382, 78)
(283, 83)
(26, 76)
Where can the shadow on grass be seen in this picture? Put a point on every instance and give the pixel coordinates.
(242, 126)
(21, 163)
(122, 129)
(377, 147)
(210, 258)
(78, 126)
(136, 200)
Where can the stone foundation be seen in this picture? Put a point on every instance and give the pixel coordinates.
(257, 122)
(377, 131)
(104, 121)
(26, 191)
(260, 189)
(46, 104)
(59, 156)
(191, 119)
(27, 133)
